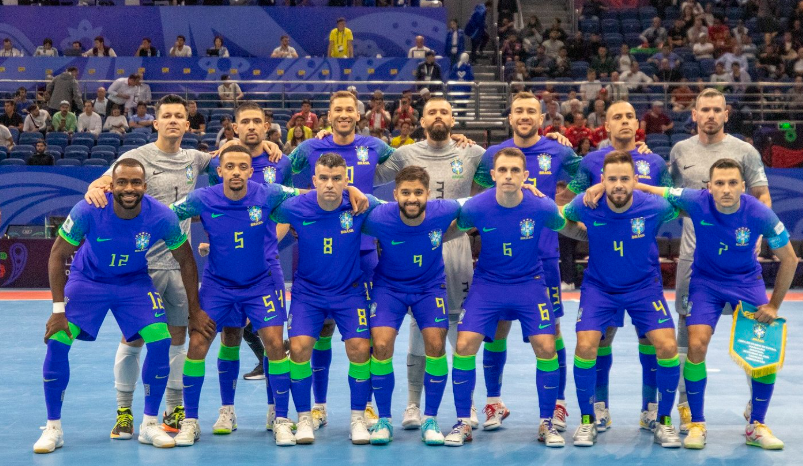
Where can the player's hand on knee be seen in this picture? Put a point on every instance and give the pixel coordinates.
(532, 189)
(559, 138)
(593, 195)
(55, 324)
(96, 196)
(462, 141)
(274, 151)
(642, 147)
(766, 313)
(203, 249)
(201, 322)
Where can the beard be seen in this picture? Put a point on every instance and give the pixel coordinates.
(711, 132)
(528, 135)
(619, 205)
(440, 133)
(119, 198)
(421, 209)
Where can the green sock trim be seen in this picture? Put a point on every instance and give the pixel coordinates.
(646, 349)
(437, 367)
(361, 370)
(279, 367)
(299, 370)
(671, 362)
(497, 346)
(604, 350)
(584, 363)
(194, 367)
(559, 345)
(381, 367)
(229, 353)
(155, 332)
(323, 344)
(64, 338)
(547, 365)
(767, 379)
(694, 372)
(464, 363)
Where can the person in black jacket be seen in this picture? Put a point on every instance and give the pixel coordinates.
(41, 157)
(429, 71)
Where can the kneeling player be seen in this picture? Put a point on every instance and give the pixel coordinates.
(110, 272)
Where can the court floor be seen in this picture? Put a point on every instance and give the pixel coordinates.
(89, 408)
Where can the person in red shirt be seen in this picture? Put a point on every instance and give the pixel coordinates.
(720, 36)
(656, 121)
(578, 130)
(599, 133)
(310, 118)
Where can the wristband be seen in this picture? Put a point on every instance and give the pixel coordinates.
(58, 308)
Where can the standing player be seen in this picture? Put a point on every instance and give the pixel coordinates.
(508, 281)
(726, 271)
(621, 235)
(328, 284)
(110, 271)
(622, 123)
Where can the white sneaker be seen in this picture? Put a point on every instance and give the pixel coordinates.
(566, 286)
(461, 433)
(189, 434)
(152, 434)
(319, 418)
(559, 416)
(283, 432)
(548, 434)
(51, 438)
(603, 416)
(473, 420)
(370, 416)
(382, 432)
(748, 410)
(412, 417)
(685, 417)
(359, 434)
(649, 417)
(226, 422)
(759, 435)
(431, 433)
(271, 417)
(494, 415)
(697, 436)
(304, 430)
(585, 435)
(666, 435)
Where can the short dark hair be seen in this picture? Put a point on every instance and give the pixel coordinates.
(331, 160)
(246, 106)
(32, 107)
(88, 102)
(170, 99)
(128, 162)
(235, 148)
(181, 37)
(9, 102)
(76, 42)
(42, 141)
(511, 152)
(48, 41)
(147, 39)
(224, 77)
(268, 112)
(72, 68)
(271, 132)
(723, 164)
(341, 19)
(284, 36)
(413, 173)
(142, 104)
(307, 102)
(618, 156)
(429, 53)
(100, 39)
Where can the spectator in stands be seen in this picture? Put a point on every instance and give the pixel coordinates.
(541, 65)
(617, 90)
(553, 44)
(506, 27)
(584, 147)
(797, 67)
(557, 25)
(180, 49)
(141, 121)
(574, 106)
(676, 35)
(40, 157)
(6, 140)
(362, 127)
(720, 76)
(666, 73)
(578, 130)
(740, 80)
(708, 14)
(682, 97)
(590, 87)
(577, 47)
(624, 59)
(696, 7)
(703, 48)
(655, 35)
(46, 49)
(229, 92)
(735, 56)
(423, 97)
(635, 78)
(11, 118)
(552, 116)
(100, 102)
(89, 121)
(218, 49)
(720, 36)
(476, 29)
(121, 91)
(534, 24)
(269, 120)
(429, 71)
(512, 48)
(310, 119)
(740, 30)
(284, 50)
(379, 134)
(378, 117)
(770, 64)
(76, 50)
(563, 65)
(275, 136)
(593, 9)
(593, 45)
(142, 94)
(602, 63)
(360, 104)
(455, 42)
(116, 122)
(749, 49)
(37, 120)
(197, 120)
(228, 135)
(341, 41)
(656, 121)
(549, 95)
(146, 49)
(100, 49)
(598, 135)
(9, 50)
(767, 16)
(405, 112)
(64, 120)
(795, 98)
(666, 53)
(21, 101)
(788, 47)
(403, 139)
(297, 134)
(696, 30)
(596, 117)
(64, 87)
(419, 50)
(531, 39)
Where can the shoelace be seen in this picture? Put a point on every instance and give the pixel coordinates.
(490, 410)
(125, 420)
(410, 409)
(758, 425)
(669, 429)
(430, 424)
(696, 425)
(585, 429)
(560, 412)
(457, 428)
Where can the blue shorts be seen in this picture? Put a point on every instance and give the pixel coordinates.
(134, 304)
(229, 307)
(552, 280)
(487, 303)
(599, 310)
(429, 308)
(307, 313)
(707, 298)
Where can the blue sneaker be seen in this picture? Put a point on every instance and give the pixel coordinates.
(382, 432)
(430, 432)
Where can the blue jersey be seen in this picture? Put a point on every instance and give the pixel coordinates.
(411, 258)
(509, 235)
(548, 161)
(328, 245)
(237, 233)
(623, 252)
(726, 242)
(650, 168)
(114, 250)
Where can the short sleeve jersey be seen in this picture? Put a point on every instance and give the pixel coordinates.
(412, 256)
(650, 168)
(623, 252)
(339, 40)
(510, 250)
(114, 250)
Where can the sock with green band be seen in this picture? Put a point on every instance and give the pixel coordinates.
(547, 379)
(667, 377)
(649, 367)
(360, 384)
(464, 378)
(762, 393)
(383, 381)
(279, 384)
(228, 369)
(585, 377)
(604, 363)
(560, 348)
(694, 374)
(300, 385)
(194, 371)
(494, 357)
(436, 372)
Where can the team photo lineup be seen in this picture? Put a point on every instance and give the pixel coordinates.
(365, 264)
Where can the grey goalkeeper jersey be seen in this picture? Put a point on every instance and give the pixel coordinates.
(690, 162)
(170, 177)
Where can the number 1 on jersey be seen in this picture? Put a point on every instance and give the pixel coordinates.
(156, 300)
(619, 246)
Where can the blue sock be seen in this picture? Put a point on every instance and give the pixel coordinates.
(560, 348)
(155, 370)
(435, 375)
(762, 393)
(265, 364)
(279, 376)
(649, 367)
(321, 360)
(547, 379)
(228, 369)
(667, 377)
(56, 373)
(585, 376)
(194, 371)
(604, 362)
(382, 381)
(464, 378)
(300, 385)
(695, 378)
(494, 356)
(360, 384)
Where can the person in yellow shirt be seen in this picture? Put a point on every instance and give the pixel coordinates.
(341, 41)
(404, 135)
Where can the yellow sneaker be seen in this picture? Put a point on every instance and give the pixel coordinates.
(697, 436)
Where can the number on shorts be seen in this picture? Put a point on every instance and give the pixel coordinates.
(121, 261)
(418, 259)
(555, 295)
(327, 245)
(439, 303)
(506, 250)
(280, 296)
(238, 238)
(619, 246)
(543, 309)
(361, 314)
(659, 306)
(156, 300)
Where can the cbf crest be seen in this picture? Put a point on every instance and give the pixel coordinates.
(527, 227)
(759, 330)
(270, 174)
(362, 156)
(637, 227)
(435, 238)
(142, 241)
(190, 175)
(457, 168)
(742, 236)
(255, 215)
(346, 222)
(643, 168)
(545, 164)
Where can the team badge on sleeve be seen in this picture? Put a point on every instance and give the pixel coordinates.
(527, 227)
(545, 164)
(270, 174)
(67, 225)
(435, 238)
(143, 240)
(346, 222)
(255, 214)
(742, 236)
(643, 168)
(637, 227)
(362, 156)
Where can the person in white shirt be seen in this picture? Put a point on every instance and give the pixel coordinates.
(590, 88)
(46, 49)
(218, 50)
(703, 48)
(634, 78)
(89, 121)
(122, 90)
(720, 75)
(36, 120)
(229, 92)
(180, 49)
(100, 49)
(284, 50)
(6, 140)
(8, 49)
(617, 90)
(420, 50)
(116, 122)
(728, 59)
(100, 103)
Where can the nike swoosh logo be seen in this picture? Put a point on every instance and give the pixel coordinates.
(317, 370)
(100, 240)
(362, 330)
(162, 377)
(760, 399)
(360, 381)
(543, 326)
(188, 386)
(216, 215)
(704, 223)
(486, 230)
(269, 318)
(693, 393)
(221, 372)
(158, 173)
(686, 167)
(440, 319)
(156, 314)
(661, 321)
(550, 388)
(396, 243)
(282, 393)
(436, 381)
(49, 380)
(460, 383)
(599, 224)
(309, 223)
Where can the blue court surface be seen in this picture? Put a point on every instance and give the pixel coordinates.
(89, 409)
